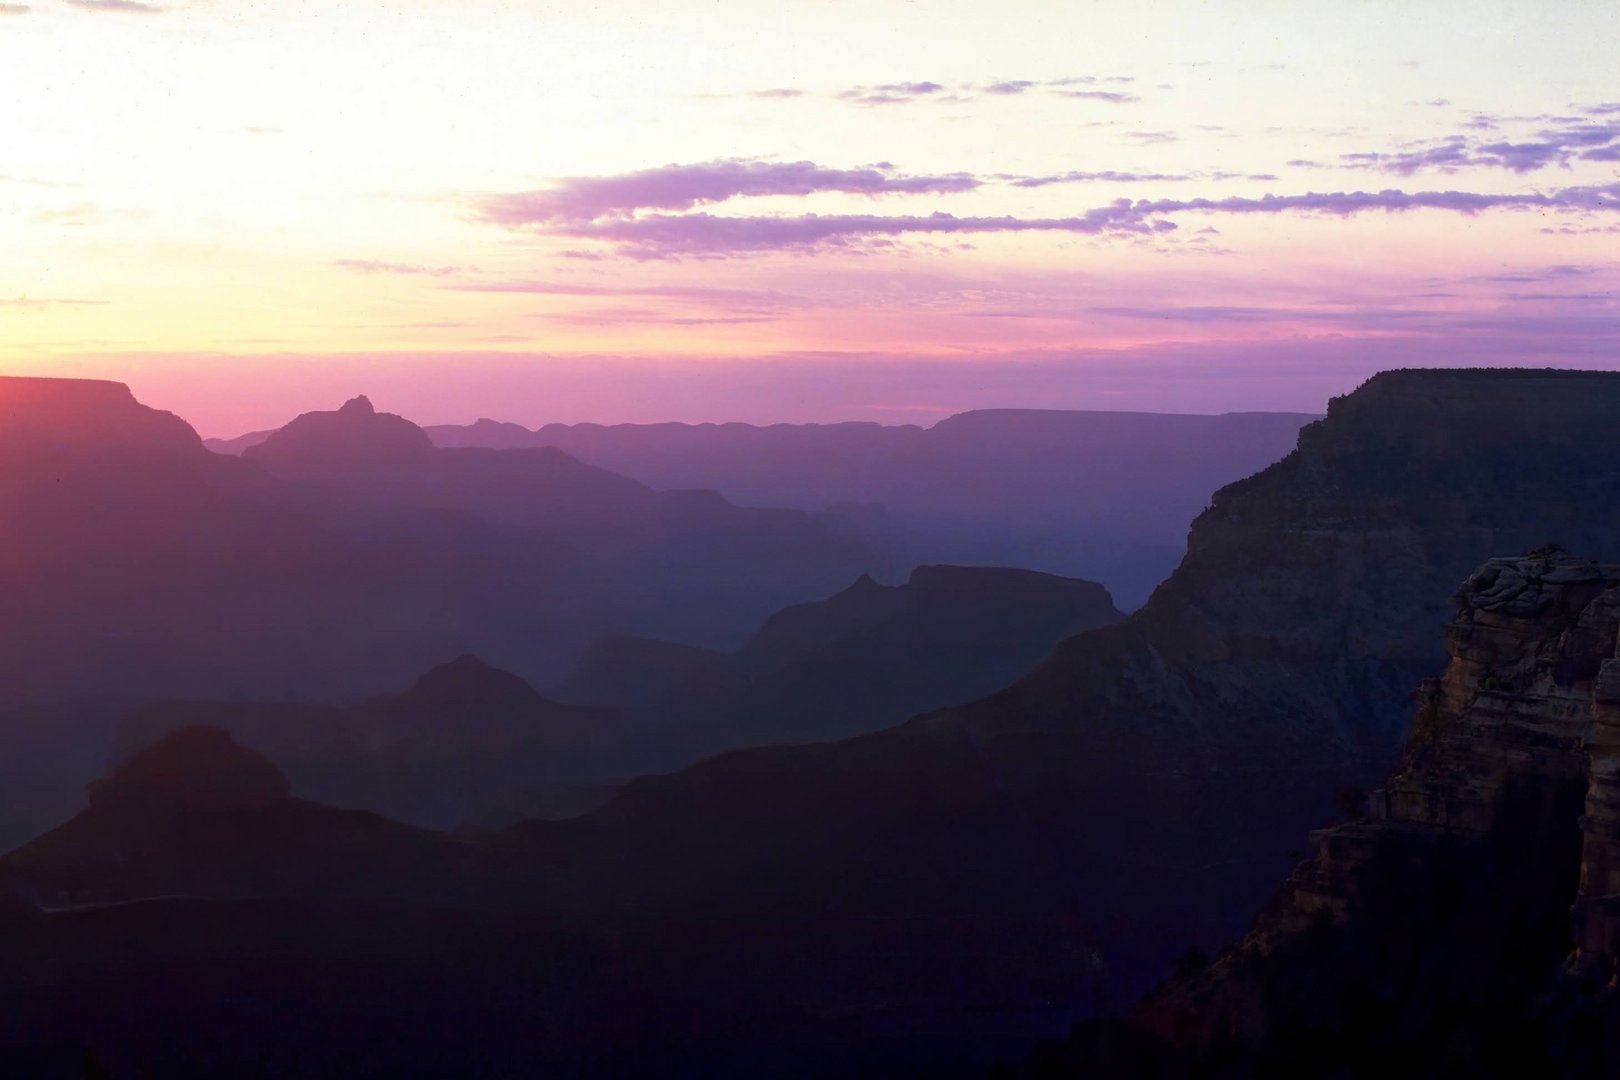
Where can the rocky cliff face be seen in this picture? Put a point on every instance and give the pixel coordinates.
(1169, 763)
(1435, 928)
(1517, 703)
(1345, 551)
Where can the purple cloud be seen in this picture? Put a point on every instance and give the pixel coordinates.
(776, 93)
(681, 187)
(377, 266)
(1345, 203)
(1090, 80)
(1009, 86)
(906, 93)
(1113, 97)
(665, 236)
(898, 93)
(1105, 176)
(1238, 314)
(1573, 137)
(1113, 176)
(1556, 272)
(129, 7)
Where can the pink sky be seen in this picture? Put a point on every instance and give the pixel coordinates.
(879, 210)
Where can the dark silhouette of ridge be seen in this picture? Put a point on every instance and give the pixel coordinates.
(348, 553)
(1150, 776)
(468, 682)
(469, 744)
(466, 744)
(1458, 921)
(59, 418)
(355, 442)
(152, 569)
(194, 768)
(863, 658)
(1099, 495)
(197, 815)
(914, 899)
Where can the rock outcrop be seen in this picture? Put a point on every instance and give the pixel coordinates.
(194, 768)
(465, 744)
(355, 442)
(1171, 762)
(1464, 917)
(1517, 704)
(196, 815)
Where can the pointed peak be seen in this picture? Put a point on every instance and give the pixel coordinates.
(468, 680)
(358, 404)
(466, 663)
(197, 768)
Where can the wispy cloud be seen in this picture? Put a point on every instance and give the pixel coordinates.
(1113, 176)
(1113, 96)
(377, 266)
(128, 7)
(665, 236)
(1249, 314)
(1567, 140)
(1556, 272)
(890, 93)
(14, 9)
(681, 187)
(1009, 87)
(1084, 87)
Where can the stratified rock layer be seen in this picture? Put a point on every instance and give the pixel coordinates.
(1429, 929)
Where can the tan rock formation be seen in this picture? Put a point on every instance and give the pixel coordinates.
(1531, 696)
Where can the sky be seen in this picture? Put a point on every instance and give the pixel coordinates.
(882, 210)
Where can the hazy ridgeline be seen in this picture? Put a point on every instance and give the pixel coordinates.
(1100, 495)
(1081, 798)
(344, 555)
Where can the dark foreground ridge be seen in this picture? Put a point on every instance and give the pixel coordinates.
(1149, 779)
(1467, 920)
(937, 895)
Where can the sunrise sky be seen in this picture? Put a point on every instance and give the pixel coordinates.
(880, 209)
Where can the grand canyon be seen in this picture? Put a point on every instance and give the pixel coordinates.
(869, 541)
